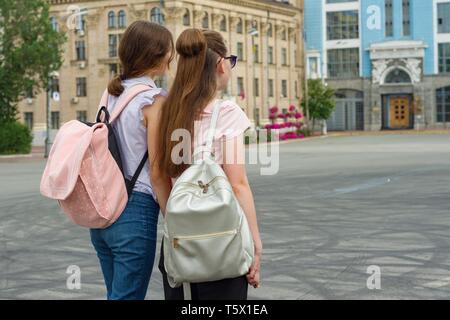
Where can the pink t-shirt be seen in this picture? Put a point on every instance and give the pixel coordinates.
(231, 123)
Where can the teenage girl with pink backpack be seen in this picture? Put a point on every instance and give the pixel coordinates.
(126, 249)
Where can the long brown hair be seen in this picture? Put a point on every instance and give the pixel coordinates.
(143, 47)
(194, 86)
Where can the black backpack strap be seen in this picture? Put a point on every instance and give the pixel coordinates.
(130, 183)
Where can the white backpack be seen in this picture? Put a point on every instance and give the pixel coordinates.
(206, 233)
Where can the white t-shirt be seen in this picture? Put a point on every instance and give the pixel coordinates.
(131, 133)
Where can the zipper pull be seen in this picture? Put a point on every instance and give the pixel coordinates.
(203, 186)
(176, 243)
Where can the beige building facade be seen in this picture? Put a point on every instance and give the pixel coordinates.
(265, 35)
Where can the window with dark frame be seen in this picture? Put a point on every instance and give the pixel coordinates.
(443, 104)
(81, 87)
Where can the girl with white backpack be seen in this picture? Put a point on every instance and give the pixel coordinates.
(211, 247)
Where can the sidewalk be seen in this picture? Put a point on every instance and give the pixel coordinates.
(36, 153)
(388, 132)
(337, 134)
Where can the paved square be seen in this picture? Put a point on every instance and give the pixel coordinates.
(337, 206)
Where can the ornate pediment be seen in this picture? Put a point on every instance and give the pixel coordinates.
(383, 68)
(389, 56)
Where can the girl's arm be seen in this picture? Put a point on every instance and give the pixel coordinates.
(234, 167)
(160, 181)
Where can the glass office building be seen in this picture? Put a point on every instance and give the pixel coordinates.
(388, 60)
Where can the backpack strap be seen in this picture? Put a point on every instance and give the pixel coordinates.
(187, 291)
(104, 100)
(130, 183)
(212, 128)
(207, 146)
(121, 104)
(125, 99)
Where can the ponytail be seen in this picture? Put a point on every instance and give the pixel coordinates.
(115, 87)
(193, 88)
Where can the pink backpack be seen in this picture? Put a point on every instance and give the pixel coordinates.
(84, 168)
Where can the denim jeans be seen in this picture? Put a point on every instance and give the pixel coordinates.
(126, 249)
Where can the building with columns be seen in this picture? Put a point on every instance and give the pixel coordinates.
(266, 35)
(388, 60)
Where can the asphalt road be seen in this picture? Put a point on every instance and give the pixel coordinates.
(336, 207)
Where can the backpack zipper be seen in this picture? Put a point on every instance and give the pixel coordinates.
(176, 240)
(202, 185)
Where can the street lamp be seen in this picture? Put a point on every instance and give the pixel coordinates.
(254, 33)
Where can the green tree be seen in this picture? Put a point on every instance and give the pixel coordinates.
(30, 49)
(321, 101)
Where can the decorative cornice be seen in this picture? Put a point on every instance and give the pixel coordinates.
(138, 12)
(264, 5)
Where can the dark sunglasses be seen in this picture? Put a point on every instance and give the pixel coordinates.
(233, 60)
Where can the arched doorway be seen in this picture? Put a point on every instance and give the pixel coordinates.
(397, 108)
(349, 112)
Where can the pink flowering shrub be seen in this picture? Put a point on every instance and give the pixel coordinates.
(291, 122)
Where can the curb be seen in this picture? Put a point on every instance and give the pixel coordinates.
(291, 140)
(18, 156)
(362, 134)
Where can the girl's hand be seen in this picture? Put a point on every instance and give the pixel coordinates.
(254, 276)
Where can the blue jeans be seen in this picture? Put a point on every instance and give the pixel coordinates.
(126, 249)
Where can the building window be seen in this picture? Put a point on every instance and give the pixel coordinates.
(256, 87)
(284, 88)
(82, 116)
(256, 53)
(186, 19)
(342, 25)
(255, 28)
(443, 17)
(223, 24)
(81, 87)
(54, 23)
(113, 45)
(340, 1)
(205, 21)
(111, 20)
(157, 16)
(270, 55)
(398, 76)
(55, 120)
(29, 122)
(239, 27)
(283, 35)
(113, 70)
(30, 93)
(54, 85)
(240, 51)
(389, 22)
(240, 86)
(444, 57)
(270, 30)
(313, 67)
(296, 89)
(443, 104)
(161, 82)
(343, 63)
(406, 18)
(270, 89)
(284, 56)
(81, 50)
(122, 19)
